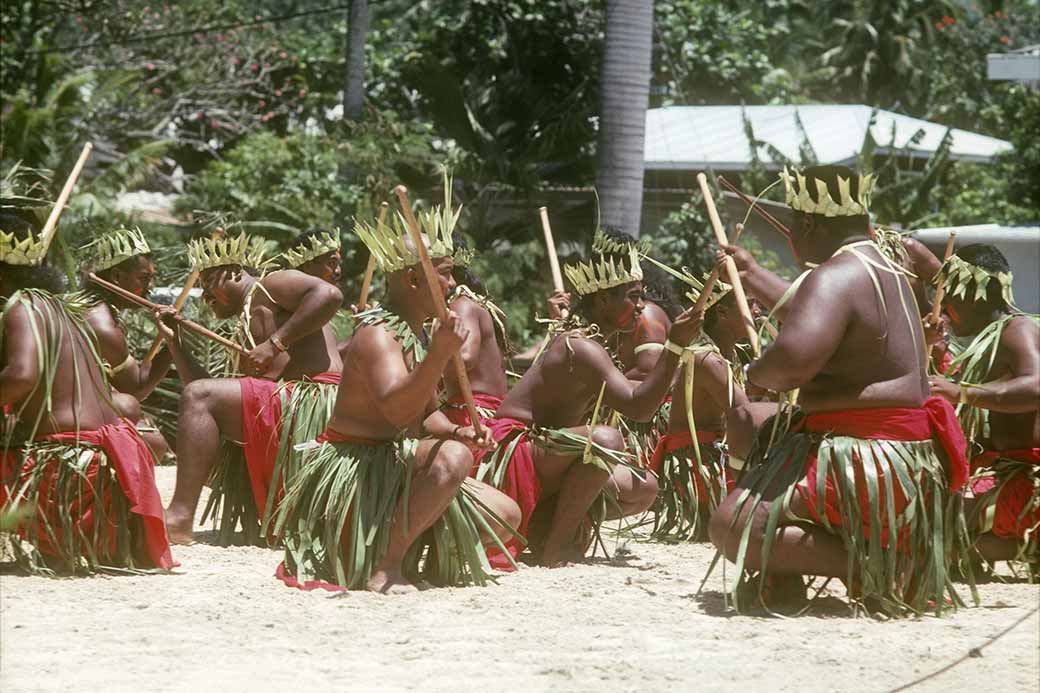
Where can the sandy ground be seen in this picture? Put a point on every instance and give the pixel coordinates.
(636, 623)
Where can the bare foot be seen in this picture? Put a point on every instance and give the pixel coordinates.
(389, 582)
(178, 527)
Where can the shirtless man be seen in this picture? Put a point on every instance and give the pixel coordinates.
(394, 375)
(693, 475)
(860, 369)
(63, 400)
(285, 316)
(124, 258)
(482, 352)
(542, 419)
(1007, 507)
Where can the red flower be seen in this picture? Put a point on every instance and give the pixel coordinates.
(262, 103)
(149, 66)
(157, 91)
(1005, 40)
(303, 93)
(949, 20)
(254, 67)
(277, 92)
(939, 26)
(283, 55)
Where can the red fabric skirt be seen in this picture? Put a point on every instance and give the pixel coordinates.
(1015, 495)
(262, 429)
(455, 408)
(935, 420)
(671, 442)
(133, 464)
(519, 483)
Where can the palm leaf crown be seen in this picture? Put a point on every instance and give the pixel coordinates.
(314, 246)
(957, 274)
(798, 197)
(116, 247)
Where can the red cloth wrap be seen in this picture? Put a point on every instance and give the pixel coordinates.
(676, 441)
(1015, 495)
(262, 429)
(458, 414)
(935, 420)
(519, 483)
(134, 467)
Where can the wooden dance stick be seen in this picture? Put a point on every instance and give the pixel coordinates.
(438, 300)
(370, 270)
(184, 322)
(550, 248)
(939, 291)
(182, 298)
(766, 216)
(731, 267)
(713, 277)
(51, 227)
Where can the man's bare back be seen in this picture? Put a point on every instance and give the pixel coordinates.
(852, 351)
(481, 353)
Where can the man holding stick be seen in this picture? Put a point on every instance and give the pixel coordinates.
(71, 456)
(550, 459)
(123, 258)
(857, 484)
(292, 369)
(996, 387)
(390, 466)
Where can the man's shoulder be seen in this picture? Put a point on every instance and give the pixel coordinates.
(1022, 331)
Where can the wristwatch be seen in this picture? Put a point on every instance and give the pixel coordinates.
(278, 344)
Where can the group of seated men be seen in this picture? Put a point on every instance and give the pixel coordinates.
(864, 443)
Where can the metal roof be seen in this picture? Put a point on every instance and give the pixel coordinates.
(702, 137)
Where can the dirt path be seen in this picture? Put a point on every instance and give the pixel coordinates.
(635, 624)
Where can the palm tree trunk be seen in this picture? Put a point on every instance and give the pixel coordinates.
(354, 87)
(622, 122)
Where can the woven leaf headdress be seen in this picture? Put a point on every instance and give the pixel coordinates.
(606, 272)
(28, 251)
(797, 188)
(718, 292)
(387, 241)
(116, 247)
(314, 246)
(957, 274)
(243, 250)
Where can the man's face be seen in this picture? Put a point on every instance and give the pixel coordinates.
(217, 284)
(442, 268)
(962, 314)
(328, 267)
(622, 308)
(135, 275)
(729, 317)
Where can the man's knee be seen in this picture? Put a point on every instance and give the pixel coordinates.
(196, 394)
(608, 437)
(643, 494)
(722, 531)
(452, 463)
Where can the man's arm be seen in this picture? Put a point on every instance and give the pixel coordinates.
(652, 335)
(816, 319)
(130, 377)
(402, 396)
(637, 401)
(312, 302)
(1019, 391)
(21, 370)
(758, 282)
(188, 369)
(714, 373)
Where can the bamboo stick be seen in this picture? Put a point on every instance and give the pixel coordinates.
(766, 216)
(550, 249)
(51, 227)
(731, 267)
(182, 298)
(439, 302)
(145, 303)
(370, 270)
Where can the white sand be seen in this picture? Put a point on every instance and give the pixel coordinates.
(224, 622)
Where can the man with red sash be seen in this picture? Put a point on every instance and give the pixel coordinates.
(869, 455)
(549, 459)
(61, 429)
(694, 476)
(996, 387)
(390, 467)
(483, 350)
(292, 360)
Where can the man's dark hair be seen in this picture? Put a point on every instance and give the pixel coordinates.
(845, 225)
(711, 316)
(462, 273)
(988, 257)
(659, 287)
